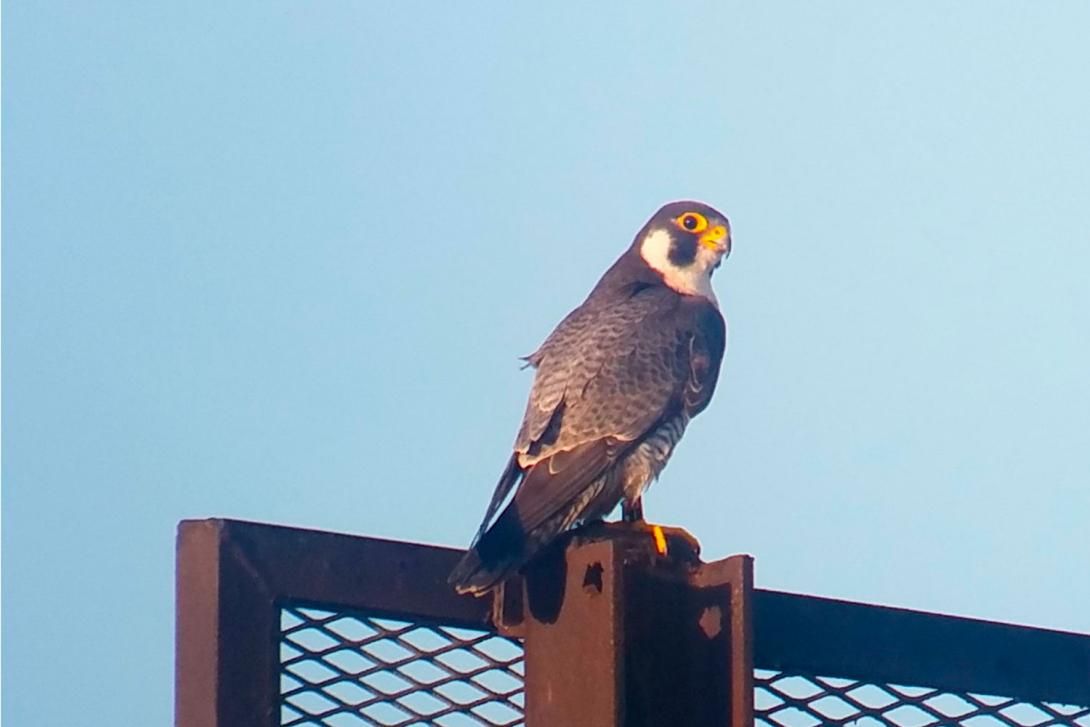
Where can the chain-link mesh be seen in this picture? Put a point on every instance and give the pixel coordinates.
(793, 700)
(354, 670)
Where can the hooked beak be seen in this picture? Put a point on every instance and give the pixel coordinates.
(717, 238)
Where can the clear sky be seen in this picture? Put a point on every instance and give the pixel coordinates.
(276, 260)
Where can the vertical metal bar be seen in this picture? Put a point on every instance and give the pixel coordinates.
(690, 646)
(736, 572)
(227, 655)
(196, 624)
(617, 637)
(741, 640)
(574, 664)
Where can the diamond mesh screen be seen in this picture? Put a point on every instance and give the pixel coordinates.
(801, 701)
(354, 670)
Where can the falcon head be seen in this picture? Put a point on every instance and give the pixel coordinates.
(684, 242)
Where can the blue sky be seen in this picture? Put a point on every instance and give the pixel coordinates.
(276, 261)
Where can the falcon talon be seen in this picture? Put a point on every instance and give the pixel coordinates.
(615, 385)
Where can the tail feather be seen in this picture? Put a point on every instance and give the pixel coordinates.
(512, 473)
(506, 545)
(497, 553)
(496, 550)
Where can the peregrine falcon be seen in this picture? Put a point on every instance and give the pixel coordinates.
(616, 384)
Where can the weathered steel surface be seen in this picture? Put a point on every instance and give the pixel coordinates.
(617, 636)
(196, 626)
(629, 639)
(823, 636)
(574, 639)
(736, 572)
(227, 663)
(232, 578)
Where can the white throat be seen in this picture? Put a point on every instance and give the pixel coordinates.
(694, 279)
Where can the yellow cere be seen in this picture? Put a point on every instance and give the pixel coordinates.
(713, 237)
(660, 539)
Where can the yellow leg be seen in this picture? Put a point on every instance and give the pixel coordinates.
(660, 539)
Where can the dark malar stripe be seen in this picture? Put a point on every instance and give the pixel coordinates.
(683, 250)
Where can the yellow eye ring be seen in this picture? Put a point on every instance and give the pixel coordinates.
(693, 222)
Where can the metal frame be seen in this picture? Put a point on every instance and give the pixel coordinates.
(811, 635)
(233, 577)
(657, 641)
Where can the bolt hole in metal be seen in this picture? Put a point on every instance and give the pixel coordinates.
(711, 621)
(592, 579)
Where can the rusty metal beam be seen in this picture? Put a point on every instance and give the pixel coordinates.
(736, 573)
(617, 637)
(226, 656)
(824, 636)
(196, 627)
(407, 580)
(232, 578)
(574, 643)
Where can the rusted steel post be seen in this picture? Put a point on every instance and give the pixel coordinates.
(617, 636)
(196, 672)
(226, 662)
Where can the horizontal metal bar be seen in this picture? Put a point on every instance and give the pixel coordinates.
(827, 637)
(348, 572)
(261, 566)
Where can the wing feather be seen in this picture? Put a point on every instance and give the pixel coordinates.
(608, 376)
(553, 485)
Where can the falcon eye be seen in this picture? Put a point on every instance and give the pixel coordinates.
(692, 221)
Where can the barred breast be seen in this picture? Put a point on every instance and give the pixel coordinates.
(647, 459)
